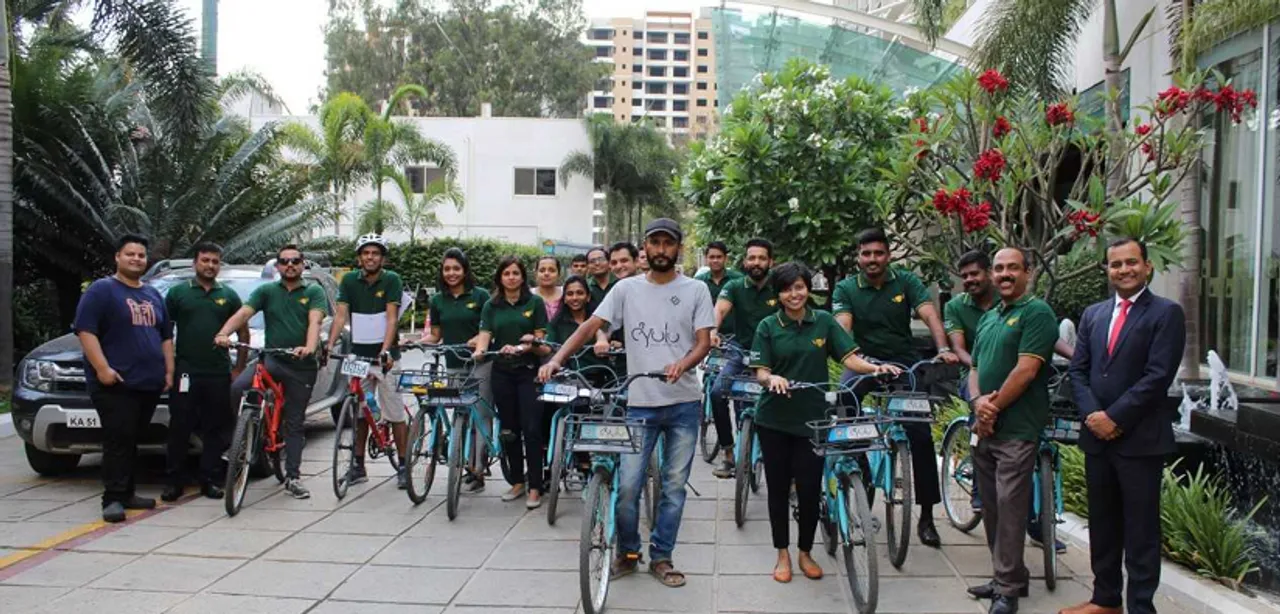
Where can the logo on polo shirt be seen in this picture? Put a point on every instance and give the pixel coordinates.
(379, 293)
(771, 302)
(528, 314)
(820, 341)
(304, 300)
(471, 305)
(1012, 321)
(220, 301)
(898, 299)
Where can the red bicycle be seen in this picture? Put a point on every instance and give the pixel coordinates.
(256, 444)
(354, 408)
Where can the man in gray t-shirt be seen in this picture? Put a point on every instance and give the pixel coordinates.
(666, 319)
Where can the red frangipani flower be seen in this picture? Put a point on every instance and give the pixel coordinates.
(992, 81)
(1086, 222)
(976, 218)
(989, 165)
(1142, 129)
(923, 124)
(1058, 113)
(1001, 127)
(1172, 101)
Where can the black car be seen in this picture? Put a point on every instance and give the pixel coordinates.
(51, 408)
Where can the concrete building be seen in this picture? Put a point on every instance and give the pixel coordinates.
(664, 71)
(508, 172)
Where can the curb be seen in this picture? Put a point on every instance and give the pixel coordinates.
(6, 425)
(1182, 583)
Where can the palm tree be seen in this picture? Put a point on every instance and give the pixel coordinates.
(418, 211)
(334, 155)
(6, 209)
(390, 144)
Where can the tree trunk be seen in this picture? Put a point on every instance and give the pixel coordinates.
(1189, 276)
(1111, 72)
(6, 210)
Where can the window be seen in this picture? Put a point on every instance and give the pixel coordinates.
(702, 35)
(702, 69)
(636, 35)
(657, 37)
(637, 52)
(635, 119)
(624, 49)
(535, 182)
(624, 67)
(682, 38)
(624, 81)
(635, 102)
(656, 88)
(622, 117)
(421, 176)
(657, 105)
(659, 122)
(702, 102)
(679, 88)
(679, 122)
(638, 85)
(679, 105)
(658, 54)
(657, 71)
(637, 69)
(680, 55)
(601, 34)
(702, 119)
(680, 71)
(702, 53)
(604, 52)
(604, 85)
(624, 100)
(702, 86)
(600, 102)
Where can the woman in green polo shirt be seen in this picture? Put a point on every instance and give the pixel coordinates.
(794, 345)
(511, 321)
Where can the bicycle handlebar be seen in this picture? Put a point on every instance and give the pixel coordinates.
(261, 351)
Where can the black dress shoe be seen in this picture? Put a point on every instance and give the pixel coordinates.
(1003, 605)
(171, 493)
(211, 491)
(928, 534)
(113, 512)
(988, 590)
(139, 503)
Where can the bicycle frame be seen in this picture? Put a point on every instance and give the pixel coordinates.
(1052, 448)
(381, 436)
(263, 382)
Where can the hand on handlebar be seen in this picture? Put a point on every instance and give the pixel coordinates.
(778, 385)
(673, 372)
(548, 371)
(887, 369)
(947, 357)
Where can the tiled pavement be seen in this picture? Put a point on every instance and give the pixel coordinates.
(374, 552)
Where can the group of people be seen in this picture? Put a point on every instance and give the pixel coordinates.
(637, 300)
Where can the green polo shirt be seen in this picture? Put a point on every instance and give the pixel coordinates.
(751, 305)
(597, 293)
(882, 316)
(507, 323)
(285, 314)
(371, 298)
(799, 352)
(727, 326)
(199, 314)
(457, 317)
(562, 327)
(1028, 327)
(961, 315)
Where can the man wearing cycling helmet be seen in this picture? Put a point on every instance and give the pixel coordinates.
(370, 297)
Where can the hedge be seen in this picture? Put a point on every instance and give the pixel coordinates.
(419, 263)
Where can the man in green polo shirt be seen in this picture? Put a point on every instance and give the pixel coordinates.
(601, 280)
(201, 396)
(717, 275)
(749, 300)
(1010, 375)
(876, 305)
(292, 310)
(370, 297)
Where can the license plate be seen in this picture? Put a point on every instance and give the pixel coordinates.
(415, 380)
(560, 390)
(355, 368)
(605, 432)
(910, 406)
(859, 432)
(747, 387)
(82, 419)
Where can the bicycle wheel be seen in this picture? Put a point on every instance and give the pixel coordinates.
(559, 460)
(860, 563)
(830, 538)
(424, 452)
(742, 472)
(707, 433)
(344, 446)
(958, 477)
(260, 465)
(457, 444)
(897, 503)
(1048, 520)
(596, 544)
(757, 467)
(239, 459)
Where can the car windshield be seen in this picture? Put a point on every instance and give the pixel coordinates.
(243, 286)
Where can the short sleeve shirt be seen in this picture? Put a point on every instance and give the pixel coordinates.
(507, 323)
(598, 293)
(131, 325)
(286, 314)
(1028, 327)
(457, 317)
(727, 325)
(882, 316)
(961, 315)
(751, 305)
(798, 351)
(199, 314)
(367, 302)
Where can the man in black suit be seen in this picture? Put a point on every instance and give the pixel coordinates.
(1126, 357)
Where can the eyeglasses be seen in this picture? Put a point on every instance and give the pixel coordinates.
(598, 260)
(289, 261)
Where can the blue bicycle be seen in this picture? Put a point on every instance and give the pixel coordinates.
(711, 367)
(748, 461)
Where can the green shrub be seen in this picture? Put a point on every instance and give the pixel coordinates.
(1070, 298)
(953, 408)
(419, 263)
(1075, 494)
(1203, 530)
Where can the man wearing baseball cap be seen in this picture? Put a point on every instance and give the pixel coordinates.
(666, 319)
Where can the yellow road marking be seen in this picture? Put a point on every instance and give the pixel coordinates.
(53, 542)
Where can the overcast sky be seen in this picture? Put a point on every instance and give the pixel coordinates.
(283, 39)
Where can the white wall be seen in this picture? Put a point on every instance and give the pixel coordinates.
(488, 150)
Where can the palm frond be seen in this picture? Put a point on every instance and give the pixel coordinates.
(1214, 21)
(574, 164)
(244, 83)
(929, 18)
(269, 233)
(377, 215)
(1031, 41)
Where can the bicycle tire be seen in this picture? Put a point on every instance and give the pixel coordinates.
(830, 538)
(1048, 520)
(424, 453)
(457, 444)
(742, 470)
(860, 545)
(957, 469)
(899, 530)
(596, 514)
(239, 461)
(344, 450)
(708, 436)
(261, 465)
(558, 463)
(757, 466)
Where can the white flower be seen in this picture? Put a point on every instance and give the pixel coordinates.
(902, 113)
(715, 198)
(711, 175)
(910, 91)
(794, 203)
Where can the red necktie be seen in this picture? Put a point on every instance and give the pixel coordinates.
(1118, 325)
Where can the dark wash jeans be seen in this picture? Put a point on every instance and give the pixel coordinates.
(124, 414)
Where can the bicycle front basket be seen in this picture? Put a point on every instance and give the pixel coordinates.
(604, 435)
(417, 381)
(838, 436)
(1064, 425)
(905, 406)
(453, 390)
(745, 389)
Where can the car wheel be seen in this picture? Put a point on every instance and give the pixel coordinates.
(48, 464)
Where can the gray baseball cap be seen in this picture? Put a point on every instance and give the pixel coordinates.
(667, 225)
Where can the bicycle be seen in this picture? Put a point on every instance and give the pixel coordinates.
(429, 429)
(606, 436)
(748, 461)
(256, 444)
(844, 513)
(711, 367)
(356, 408)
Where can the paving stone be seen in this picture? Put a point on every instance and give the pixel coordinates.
(364, 524)
(463, 609)
(326, 548)
(102, 601)
(284, 579)
(364, 607)
(71, 569)
(751, 560)
(387, 499)
(28, 534)
(269, 520)
(14, 510)
(753, 532)
(536, 556)
(694, 532)
(692, 559)
(132, 539)
(436, 552)
(761, 594)
(951, 536)
(79, 512)
(922, 561)
(183, 574)
(212, 603)
(322, 498)
(242, 543)
(975, 562)
(437, 524)
(1041, 601)
(533, 526)
(405, 585)
(188, 516)
(517, 588)
(700, 509)
(28, 598)
(643, 592)
(934, 595)
(67, 491)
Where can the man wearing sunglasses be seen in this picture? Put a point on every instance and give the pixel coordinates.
(291, 312)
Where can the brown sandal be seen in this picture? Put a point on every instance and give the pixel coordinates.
(666, 573)
(624, 565)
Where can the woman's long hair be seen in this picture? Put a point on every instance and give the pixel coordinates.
(499, 292)
(468, 277)
(588, 308)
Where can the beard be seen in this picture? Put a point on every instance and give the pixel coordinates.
(661, 264)
(757, 273)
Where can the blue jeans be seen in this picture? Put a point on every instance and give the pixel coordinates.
(732, 367)
(679, 424)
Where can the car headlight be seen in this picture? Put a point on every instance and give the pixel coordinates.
(43, 375)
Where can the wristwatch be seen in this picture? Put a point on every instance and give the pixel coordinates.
(944, 350)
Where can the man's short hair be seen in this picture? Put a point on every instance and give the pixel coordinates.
(977, 257)
(1123, 241)
(286, 247)
(724, 249)
(207, 247)
(761, 242)
(598, 248)
(872, 235)
(130, 237)
(1026, 255)
(578, 258)
(627, 245)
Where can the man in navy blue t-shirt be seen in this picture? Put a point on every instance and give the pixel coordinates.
(128, 347)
